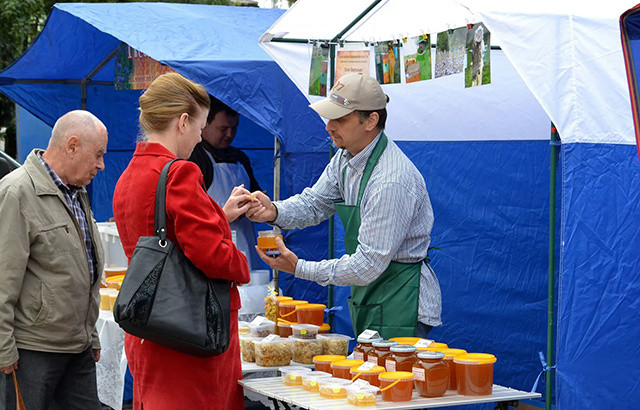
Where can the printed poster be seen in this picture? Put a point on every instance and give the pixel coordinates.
(450, 51)
(352, 61)
(387, 62)
(478, 69)
(417, 58)
(136, 70)
(318, 70)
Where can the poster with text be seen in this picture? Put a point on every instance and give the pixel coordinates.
(135, 70)
(318, 70)
(450, 51)
(387, 62)
(417, 58)
(478, 69)
(352, 61)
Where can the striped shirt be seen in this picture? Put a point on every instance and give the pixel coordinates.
(396, 221)
(70, 194)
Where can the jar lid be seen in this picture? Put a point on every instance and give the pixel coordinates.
(385, 343)
(392, 376)
(335, 336)
(374, 369)
(475, 358)
(328, 358)
(451, 353)
(403, 348)
(311, 306)
(348, 363)
(435, 346)
(430, 355)
(325, 327)
(279, 298)
(406, 340)
(363, 340)
(293, 302)
(294, 369)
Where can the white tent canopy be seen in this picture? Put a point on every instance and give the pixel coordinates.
(559, 60)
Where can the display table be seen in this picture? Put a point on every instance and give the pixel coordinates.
(280, 394)
(112, 366)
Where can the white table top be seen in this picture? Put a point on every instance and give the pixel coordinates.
(249, 367)
(296, 395)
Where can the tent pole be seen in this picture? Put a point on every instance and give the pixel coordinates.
(332, 151)
(276, 197)
(355, 21)
(552, 249)
(88, 77)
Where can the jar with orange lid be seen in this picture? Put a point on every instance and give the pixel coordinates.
(342, 368)
(406, 340)
(324, 328)
(311, 313)
(431, 374)
(474, 374)
(381, 350)
(401, 359)
(287, 309)
(364, 346)
(323, 362)
(449, 355)
(396, 386)
(433, 347)
(367, 373)
(284, 328)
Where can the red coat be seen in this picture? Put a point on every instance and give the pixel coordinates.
(164, 378)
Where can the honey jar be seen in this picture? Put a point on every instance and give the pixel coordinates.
(431, 374)
(474, 373)
(364, 346)
(449, 355)
(381, 350)
(369, 375)
(401, 359)
(323, 362)
(342, 368)
(287, 309)
(396, 386)
(311, 313)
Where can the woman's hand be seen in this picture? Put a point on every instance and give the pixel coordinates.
(238, 203)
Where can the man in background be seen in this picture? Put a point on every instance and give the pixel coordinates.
(52, 262)
(225, 167)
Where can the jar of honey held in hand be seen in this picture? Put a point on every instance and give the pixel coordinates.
(267, 241)
(401, 359)
(431, 374)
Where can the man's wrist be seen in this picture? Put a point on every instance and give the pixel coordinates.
(275, 211)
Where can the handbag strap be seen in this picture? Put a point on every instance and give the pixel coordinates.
(160, 220)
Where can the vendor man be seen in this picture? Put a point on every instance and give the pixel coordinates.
(383, 203)
(224, 167)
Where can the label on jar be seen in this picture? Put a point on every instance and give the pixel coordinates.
(366, 366)
(369, 334)
(372, 359)
(358, 355)
(423, 343)
(418, 374)
(390, 365)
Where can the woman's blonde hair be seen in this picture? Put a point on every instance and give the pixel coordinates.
(169, 96)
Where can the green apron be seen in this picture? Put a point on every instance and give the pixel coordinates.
(389, 304)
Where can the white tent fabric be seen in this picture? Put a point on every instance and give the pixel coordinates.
(563, 63)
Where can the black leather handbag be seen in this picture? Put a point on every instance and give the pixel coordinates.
(164, 298)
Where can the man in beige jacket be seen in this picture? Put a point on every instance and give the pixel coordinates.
(51, 263)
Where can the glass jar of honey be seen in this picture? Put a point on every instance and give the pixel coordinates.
(401, 359)
(364, 346)
(381, 350)
(267, 241)
(449, 355)
(431, 374)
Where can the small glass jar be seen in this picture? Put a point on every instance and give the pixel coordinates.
(362, 349)
(431, 374)
(382, 349)
(267, 241)
(401, 359)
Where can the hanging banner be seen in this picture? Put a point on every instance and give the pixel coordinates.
(417, 58)
(478, 69)
(387, 62)
(318, 70)
(136, 70)
(352, 61)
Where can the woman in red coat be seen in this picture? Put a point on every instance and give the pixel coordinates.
(173, 112)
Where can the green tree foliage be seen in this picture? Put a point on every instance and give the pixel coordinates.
(20, 23)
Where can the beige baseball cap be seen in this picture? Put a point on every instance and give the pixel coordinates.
(351, 92)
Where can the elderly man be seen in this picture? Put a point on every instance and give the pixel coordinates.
(383, 203)
(52, 261)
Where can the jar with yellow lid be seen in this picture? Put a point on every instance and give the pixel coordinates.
(431, 374)
(474, 373)
(396, 386)
(323, 362)
(434, 347)
(364, 346)
(406, 340)
(449, 355)
(369, 375)
(342, 368)
(382, 349)
(311, 313)
(287, 309)
(401, 359)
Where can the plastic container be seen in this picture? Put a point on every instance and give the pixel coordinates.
(247, 349)
(370, 375)
(113, 251)
(304, 350)
(362, 349)
(110, 271)
(324, 328)
(401, 359)
(381, 350)
(287, 309)
(323, 362)
(310, 380)
(449, 355)
(292, 375)
(434, 347)
(304, 331)
(267, 241)
(311, 313)
(342, 368)
(265, 328)
(396, 386)
(333, 388)
(259, 277)
(335, 344)
(273, 351)
(406, 340)
(431, 374)
(474, 374)
(362, 395)
(243, 327)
